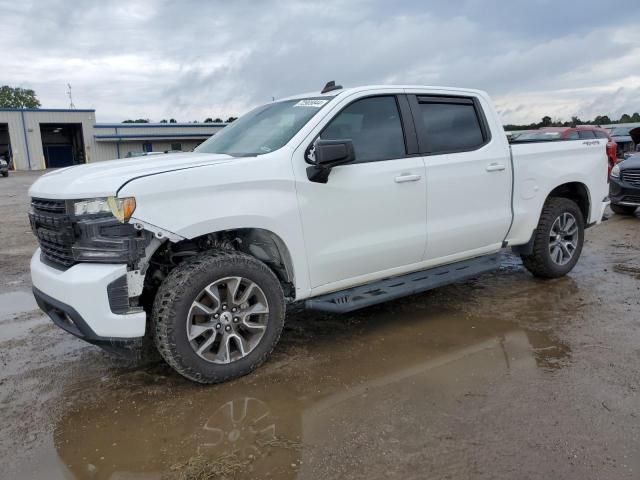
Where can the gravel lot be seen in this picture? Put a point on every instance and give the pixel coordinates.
(502, 377)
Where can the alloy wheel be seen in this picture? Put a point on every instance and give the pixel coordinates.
(563, 238)
(227, 320)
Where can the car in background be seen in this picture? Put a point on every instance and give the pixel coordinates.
(580, 132)
(4, 167)
(624, 186)
(622, 136)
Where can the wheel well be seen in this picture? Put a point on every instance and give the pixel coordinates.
(262, 244)
(577, 192)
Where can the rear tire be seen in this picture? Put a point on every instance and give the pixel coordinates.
(193, 325)
(623, 209)
(5, 174)
(558, 239)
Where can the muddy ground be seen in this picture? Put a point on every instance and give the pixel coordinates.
(502, 377)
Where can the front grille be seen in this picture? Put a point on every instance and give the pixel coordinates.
(52, 226)
(631, 176)
(49, 206)
(631, 199)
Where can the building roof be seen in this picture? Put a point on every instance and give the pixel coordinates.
(68, 110)
(144, 136)
(161, 125)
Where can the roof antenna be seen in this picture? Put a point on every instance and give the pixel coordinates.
(330, 86)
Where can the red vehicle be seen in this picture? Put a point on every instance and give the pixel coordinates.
(580, 132)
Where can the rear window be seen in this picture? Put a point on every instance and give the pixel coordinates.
(601, 134)
(451, 127)
(586, 134)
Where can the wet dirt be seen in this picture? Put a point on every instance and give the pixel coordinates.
(501, 377)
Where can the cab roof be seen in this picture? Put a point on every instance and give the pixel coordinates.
(399, 88)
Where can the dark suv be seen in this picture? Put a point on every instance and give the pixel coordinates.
(624, 187)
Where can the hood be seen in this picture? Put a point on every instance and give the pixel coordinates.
(621, 138)
(103, 179)
(632, 162)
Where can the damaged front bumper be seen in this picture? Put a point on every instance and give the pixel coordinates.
(88, 300)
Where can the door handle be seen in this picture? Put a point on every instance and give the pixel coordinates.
(495, 167)
(407, 177)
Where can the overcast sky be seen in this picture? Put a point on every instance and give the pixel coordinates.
(193, 59)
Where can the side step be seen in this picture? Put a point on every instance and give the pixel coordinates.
(403, 285)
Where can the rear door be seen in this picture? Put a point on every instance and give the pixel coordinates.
(468, 177)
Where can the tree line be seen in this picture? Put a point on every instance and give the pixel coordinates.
(173, 120)
(599, 120)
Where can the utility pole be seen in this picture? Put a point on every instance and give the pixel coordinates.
(71, 105)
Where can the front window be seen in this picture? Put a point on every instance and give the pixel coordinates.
(373, 125)
(264, 129)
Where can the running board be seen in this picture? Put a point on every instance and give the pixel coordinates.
(403, 285)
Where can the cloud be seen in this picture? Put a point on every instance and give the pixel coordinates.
(190, 60)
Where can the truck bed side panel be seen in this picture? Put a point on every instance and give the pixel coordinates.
(541, 167)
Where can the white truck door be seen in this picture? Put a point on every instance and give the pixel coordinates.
(370, 215)
(468, 176)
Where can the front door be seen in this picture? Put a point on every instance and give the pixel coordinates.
(371, 215)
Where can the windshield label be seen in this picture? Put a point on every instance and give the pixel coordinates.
(311, 103)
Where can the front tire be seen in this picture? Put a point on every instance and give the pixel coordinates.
(218, 316)
(557, 241)
(623, 209)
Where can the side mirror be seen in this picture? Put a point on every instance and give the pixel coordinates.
(329, 154)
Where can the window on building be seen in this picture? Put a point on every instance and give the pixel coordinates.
(451, 127)
(373, 125)
(147, 147)
(176, 146)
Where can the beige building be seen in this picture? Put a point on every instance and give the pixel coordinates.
(35, 139)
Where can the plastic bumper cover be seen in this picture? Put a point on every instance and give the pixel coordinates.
(622, 193)
(603, 207)
(77, 300)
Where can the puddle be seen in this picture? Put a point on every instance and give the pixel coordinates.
(437, 384)
(16, 302)
(355, 381)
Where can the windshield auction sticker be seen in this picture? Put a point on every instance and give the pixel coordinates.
(311, 103)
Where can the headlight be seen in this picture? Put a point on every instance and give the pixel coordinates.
(615, 171)
(3, 163)
(121, 208)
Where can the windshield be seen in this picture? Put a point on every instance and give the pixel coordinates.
(538, 136)
(264, 129)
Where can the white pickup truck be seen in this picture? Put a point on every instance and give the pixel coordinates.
(343, 199)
